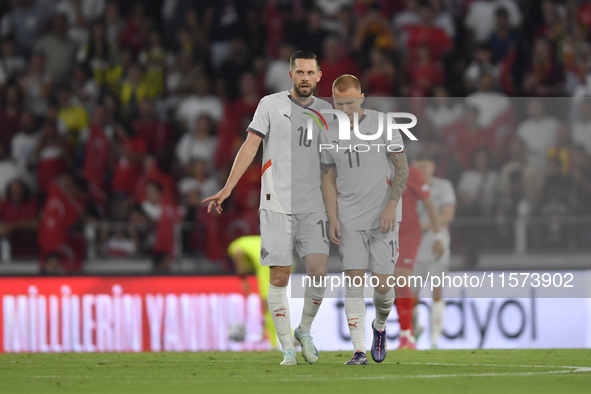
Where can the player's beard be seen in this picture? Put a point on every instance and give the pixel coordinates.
(302, 94)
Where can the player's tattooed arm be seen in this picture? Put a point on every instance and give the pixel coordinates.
(400, 176)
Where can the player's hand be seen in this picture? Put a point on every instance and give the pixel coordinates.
(216, 200)
(388, 218)
(334, 231)
(438, 249)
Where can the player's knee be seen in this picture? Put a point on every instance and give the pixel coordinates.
(279, 278)
(317, 273)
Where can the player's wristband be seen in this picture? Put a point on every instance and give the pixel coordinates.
(439, 236)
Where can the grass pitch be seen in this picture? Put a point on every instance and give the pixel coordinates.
(404, 371)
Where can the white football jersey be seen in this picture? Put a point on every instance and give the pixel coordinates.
(289, 157)
(364, 176)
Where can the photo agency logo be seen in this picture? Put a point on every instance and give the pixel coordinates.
(388, 118)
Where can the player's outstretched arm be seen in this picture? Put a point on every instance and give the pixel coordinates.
(243, 159)
(388, 216)
(438, 247)
(329, 192)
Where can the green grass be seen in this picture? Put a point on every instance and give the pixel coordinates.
(405, 372)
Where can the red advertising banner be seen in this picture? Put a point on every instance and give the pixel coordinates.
(127, 314)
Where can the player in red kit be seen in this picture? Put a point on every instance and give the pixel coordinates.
(410, 240)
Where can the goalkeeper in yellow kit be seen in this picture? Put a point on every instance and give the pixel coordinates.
(244, 252)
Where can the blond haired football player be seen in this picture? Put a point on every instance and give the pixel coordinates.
(362, 190)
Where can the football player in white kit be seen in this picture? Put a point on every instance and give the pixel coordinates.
(362, 189)
(444, 197)
(289, 218)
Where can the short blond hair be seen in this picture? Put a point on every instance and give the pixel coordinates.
(346, 82)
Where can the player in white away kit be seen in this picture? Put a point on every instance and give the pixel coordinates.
(289, 218)
(362, 189)
(444, 198)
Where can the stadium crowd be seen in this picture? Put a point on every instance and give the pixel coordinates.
(126, 115)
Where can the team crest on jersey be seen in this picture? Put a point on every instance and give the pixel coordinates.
(264, 253)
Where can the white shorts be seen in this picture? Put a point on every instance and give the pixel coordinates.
(427, 265)
(369, 249)
(281, 233)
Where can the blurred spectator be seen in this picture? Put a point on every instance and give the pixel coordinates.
(480, 19)
(373, 30)
(133, 90)
(72, 113)
(155, 59)
(36, 85)
(477, 189)
(97, 54)
(517, 172)
(310, 35)
(465, 137)
(228, 19)
(130, 151)
(97, 154)
(162, 216)
(8, 169)
(52, 156)
(552, 25)
(158, 171)
(277, 76)
(481, 64)
(442, 18)
(562, 150)
(136, 27)
(538, 132)
(63, 250)
(23, 148)
(198, 144)
(409, 16)
(231, 131)
(477, 197)
(582, 127)
(26, 22)
(425, 73)
(59, 51)
(201, 102)
(198, 180)
(546, 75)
(80, 13)
(443, 110)
(378, 79)
(183, 76)
(85, 89)
(504, 38)
(12, 65)
(156, 133)
(10, 114)
(114, 24)
(427, 34)
(490, 104)
(335, 62)
(557, 202)
(232, 69)
(18, 219)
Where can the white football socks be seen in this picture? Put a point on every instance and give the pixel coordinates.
(437, 313)
(312, 300)
(355, 312)
(279, 308)
(383, 304)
